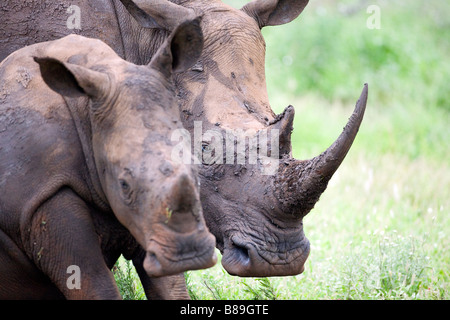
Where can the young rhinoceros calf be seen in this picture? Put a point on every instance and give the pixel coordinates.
(90, 153)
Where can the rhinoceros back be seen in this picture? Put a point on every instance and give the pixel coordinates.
(24, 23)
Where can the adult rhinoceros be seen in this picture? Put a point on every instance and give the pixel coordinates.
(256, 218)
(90, 153)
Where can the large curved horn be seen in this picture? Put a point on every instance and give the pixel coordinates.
(161, 14)
(300, 183)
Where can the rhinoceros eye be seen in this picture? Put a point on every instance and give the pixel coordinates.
(124, 186)
(209, 154)
(127, 192)
(205, 147)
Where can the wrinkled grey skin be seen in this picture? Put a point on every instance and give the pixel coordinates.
(86, 171)
(257, 219)
(27, 22)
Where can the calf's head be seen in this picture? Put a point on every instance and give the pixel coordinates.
(257, 218)
(133, 112)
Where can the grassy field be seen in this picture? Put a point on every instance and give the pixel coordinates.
(381, 229)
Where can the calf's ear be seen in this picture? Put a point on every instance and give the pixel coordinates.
(72, 80)
(181, 50)
(274, 12)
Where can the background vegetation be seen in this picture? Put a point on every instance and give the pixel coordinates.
(381, 230)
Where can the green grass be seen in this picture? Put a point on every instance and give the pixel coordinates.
(377, 234)
(127, 280)
(331, 54)
(380, 231)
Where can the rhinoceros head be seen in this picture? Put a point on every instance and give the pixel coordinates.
(133, 111)
(255, 208)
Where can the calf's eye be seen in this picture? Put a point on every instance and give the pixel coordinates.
(124, 186)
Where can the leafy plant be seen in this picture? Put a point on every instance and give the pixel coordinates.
(263, 290)
(127, 280)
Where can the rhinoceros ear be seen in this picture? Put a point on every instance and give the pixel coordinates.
(161, 14)
(274, 12)
(72, 80)
(181, 50)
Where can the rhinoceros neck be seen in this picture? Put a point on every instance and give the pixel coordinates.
(79, 110)
(138, 44)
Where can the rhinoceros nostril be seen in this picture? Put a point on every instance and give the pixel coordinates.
(151, 264)
(241, 253)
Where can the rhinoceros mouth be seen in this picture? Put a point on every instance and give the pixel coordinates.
(193, 254)
(245, 259)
